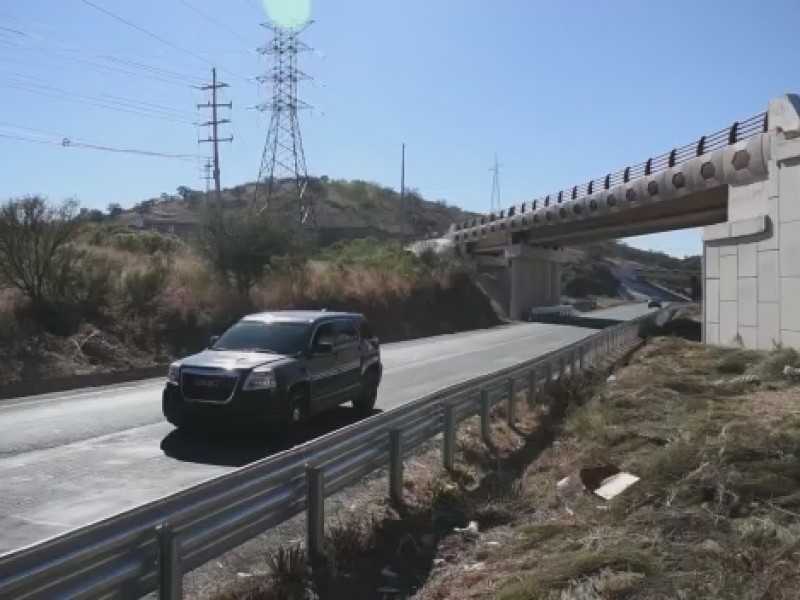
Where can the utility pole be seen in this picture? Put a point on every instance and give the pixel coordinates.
(402, 191)
(214, 123)
(495, 201)
(208, 169)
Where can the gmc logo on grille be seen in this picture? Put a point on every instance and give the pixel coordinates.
(209, 383)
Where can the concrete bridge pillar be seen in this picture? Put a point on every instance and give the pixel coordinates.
(535, 278)
(751, 266)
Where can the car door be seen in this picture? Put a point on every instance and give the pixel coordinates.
(348, 347)
(323, 368)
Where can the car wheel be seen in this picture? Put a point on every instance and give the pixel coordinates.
(297, 415)
(365, 403)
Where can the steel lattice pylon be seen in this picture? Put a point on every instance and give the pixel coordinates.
(283, 163)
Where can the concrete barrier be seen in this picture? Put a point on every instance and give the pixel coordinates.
(65, 383)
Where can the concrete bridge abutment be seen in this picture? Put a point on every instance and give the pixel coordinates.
(751, 266)
(535, 278)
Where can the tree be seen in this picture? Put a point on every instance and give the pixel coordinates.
(183, 191)
(114, 209)
(243, 247)
(35, 239)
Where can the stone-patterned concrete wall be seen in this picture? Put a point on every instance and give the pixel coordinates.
(752, 262)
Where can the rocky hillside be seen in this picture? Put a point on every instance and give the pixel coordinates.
(344, 210)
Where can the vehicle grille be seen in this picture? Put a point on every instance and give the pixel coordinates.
(210, 387)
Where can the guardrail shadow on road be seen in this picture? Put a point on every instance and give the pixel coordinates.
(237, 449)
(578, 321)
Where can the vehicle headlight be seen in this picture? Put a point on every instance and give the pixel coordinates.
(173, 373)
(261, 378)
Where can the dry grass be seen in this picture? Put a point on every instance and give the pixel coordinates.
(152, 307)
(716, 513)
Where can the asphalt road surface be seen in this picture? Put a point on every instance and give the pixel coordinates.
(640, 289)
(68, 459)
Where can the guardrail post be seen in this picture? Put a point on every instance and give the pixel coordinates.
(315, 512)
(573, 360)
(562, 366)
(170, 577)
(548, 372)
(396, 465)
(582, 351)
(449, 436)
(532, 386)
(511, 415)
(486, 418)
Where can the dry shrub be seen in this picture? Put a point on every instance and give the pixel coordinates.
(714, 514)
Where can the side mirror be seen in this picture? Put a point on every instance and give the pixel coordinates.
(212, 340)
(323, 346)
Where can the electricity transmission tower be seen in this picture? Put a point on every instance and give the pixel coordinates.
(283, 160)
(495, 201)
(213, 137)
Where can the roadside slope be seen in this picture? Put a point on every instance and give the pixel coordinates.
(712, 433)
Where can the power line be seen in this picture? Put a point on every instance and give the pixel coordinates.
(103, 97)
(105, 68)
(69, 143)
(214, 21)
(155, 36)
(102, 55)
(107, 106)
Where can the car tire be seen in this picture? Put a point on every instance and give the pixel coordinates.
(297, 415)
(365, 403)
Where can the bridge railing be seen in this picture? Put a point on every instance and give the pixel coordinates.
(739, 131)
(150, 547)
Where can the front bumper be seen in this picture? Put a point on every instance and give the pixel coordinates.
(256, 409)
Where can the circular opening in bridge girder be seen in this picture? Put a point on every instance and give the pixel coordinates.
(708, 170)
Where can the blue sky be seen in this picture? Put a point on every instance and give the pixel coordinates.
(563, 92)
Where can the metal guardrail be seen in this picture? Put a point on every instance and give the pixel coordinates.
(739, 131)
(149, 548)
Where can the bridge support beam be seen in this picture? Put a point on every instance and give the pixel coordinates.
(751, 266)
(535, 275)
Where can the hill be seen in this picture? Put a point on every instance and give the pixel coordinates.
(344, 210)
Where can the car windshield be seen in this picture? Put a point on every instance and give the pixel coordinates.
(274, 338)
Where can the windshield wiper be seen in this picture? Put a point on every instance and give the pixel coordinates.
(256, 350)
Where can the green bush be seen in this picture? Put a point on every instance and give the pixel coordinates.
(141, 290)
(385, 256)
(145, 242)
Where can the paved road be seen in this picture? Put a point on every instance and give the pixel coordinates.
(640, 289)
(71, 458)
(626, 312)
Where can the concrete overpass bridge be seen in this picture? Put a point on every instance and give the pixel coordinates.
(742, 184)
